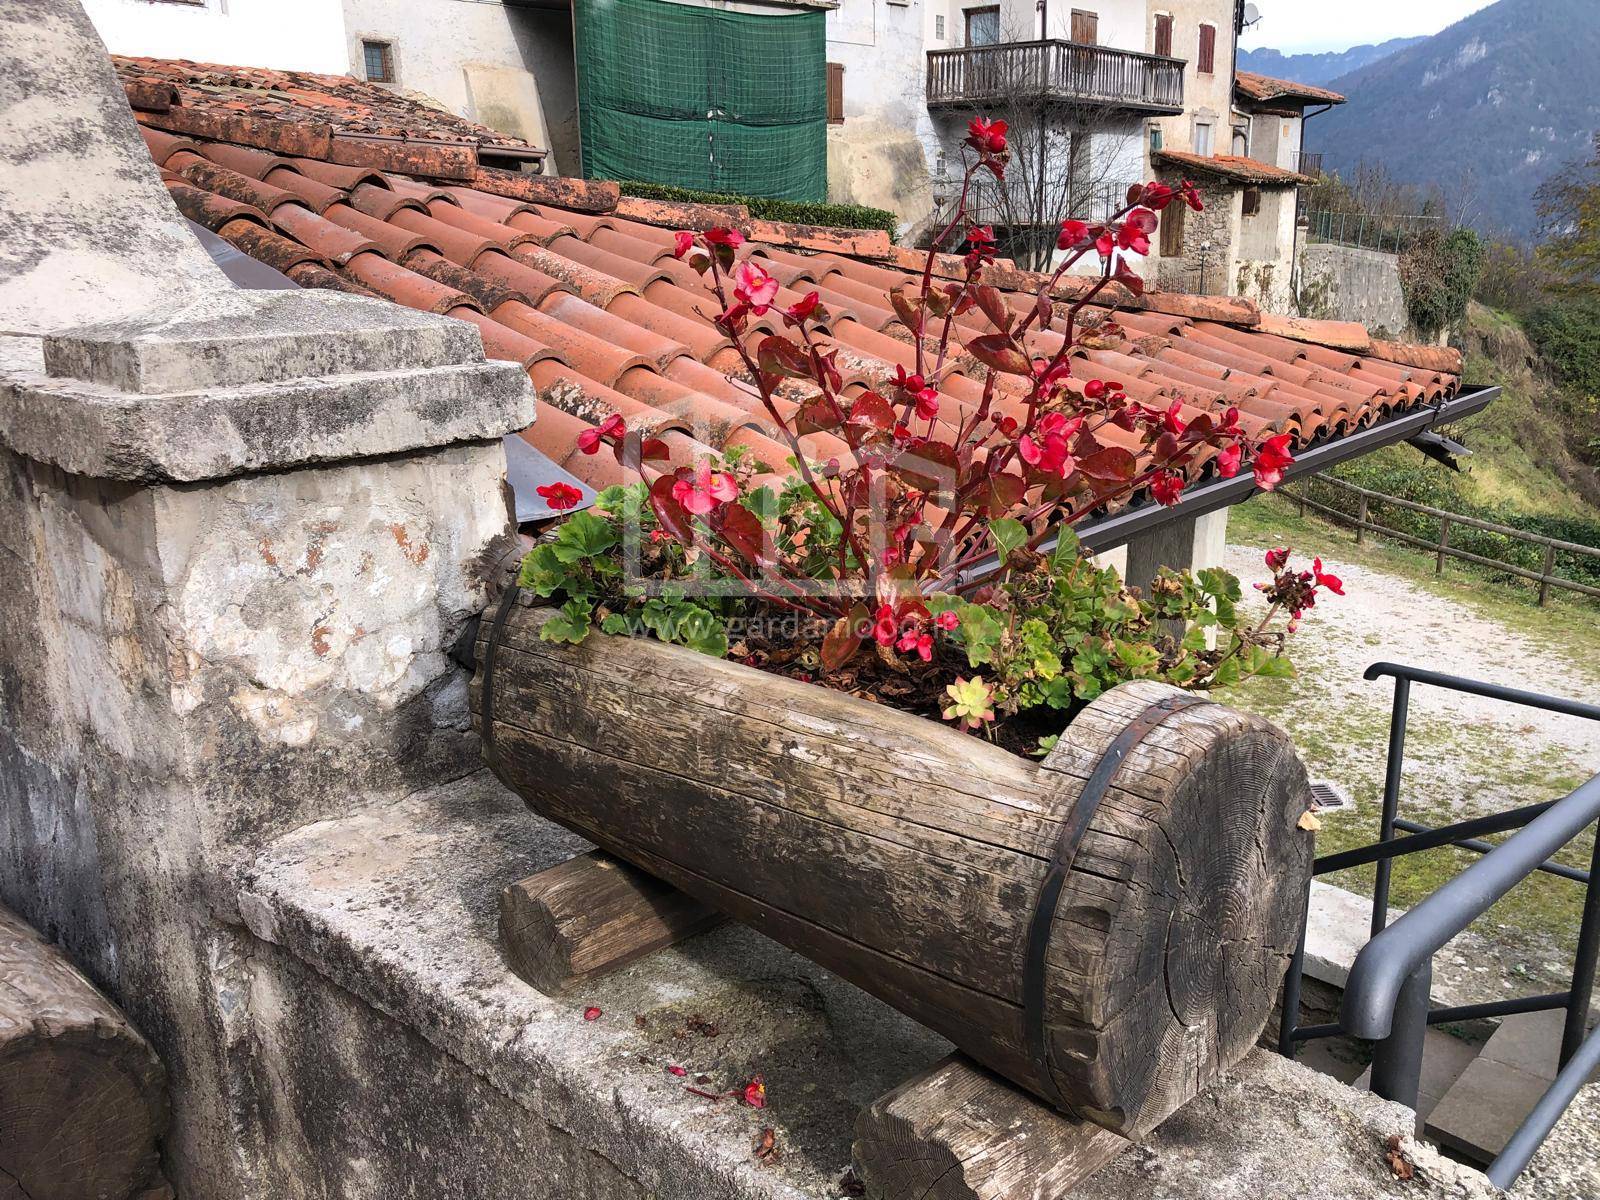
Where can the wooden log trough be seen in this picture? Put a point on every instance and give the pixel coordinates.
(1106, 928)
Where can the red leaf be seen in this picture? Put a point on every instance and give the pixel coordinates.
(996, 350)
(653, 450)
(1112, 463)
(930, 467)
(673, 516)
(842, 642)
(873, 411)
(817, 415)
(994, 307)
(1004, 493)
(780, 356)
(1045, 309)
(743, 530)
(1130, 280)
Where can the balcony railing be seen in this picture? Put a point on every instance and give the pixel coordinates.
(1066, 72)
(1308, 163)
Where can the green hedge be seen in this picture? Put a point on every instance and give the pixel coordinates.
(842, 216)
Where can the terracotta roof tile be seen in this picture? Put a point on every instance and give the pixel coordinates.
(604, 319)
(1232, 166)
(1266, 87)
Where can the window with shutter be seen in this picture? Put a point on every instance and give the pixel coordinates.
(1085, 27)
(1202, 138)
(1252, 201)
(1172, 230)
(1164, 34)
(835, 93)
(1206, 61)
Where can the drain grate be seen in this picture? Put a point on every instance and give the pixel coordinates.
(1329, 797)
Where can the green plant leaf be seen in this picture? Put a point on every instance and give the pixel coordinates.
(569, 623)
(1008, 535)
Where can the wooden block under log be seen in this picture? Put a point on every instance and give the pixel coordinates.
(958, 1132)
(83, 1097)
(589, 916)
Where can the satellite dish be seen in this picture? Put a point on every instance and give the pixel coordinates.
(1252, 14)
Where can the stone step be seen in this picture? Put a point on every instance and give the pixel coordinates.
(1444, 1059)
(1478, 1115)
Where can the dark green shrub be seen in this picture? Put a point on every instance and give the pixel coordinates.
(1567, 334)
(842, 216)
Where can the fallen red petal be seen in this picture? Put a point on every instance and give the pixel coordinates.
(591, 1014)
(675, 1069)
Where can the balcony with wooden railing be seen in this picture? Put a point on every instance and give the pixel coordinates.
(1057, 71)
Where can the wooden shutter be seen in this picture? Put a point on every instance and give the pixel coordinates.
(1252, 201)
(1085, 27)
(1172, 230)
(1164, 34)
(1208, 50)
(835, 93)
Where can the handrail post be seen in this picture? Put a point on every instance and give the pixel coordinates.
(1549, 570)
(1391, 799)
(1588, 955)
(1397, 1059)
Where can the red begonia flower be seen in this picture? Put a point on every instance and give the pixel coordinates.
(1167, 487)
(682, 243)
(885, 625)
(706, 490)
(753, 287)
(1271, 459)
(724, 237)
(802, 309)
(947, 620)
(1073, 234)
(927, 404)
(1278, 557)
(1332, 582)
(755, 1093)
(986, 137)
(1229, 460)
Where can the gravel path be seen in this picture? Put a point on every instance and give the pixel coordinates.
(1460, 747)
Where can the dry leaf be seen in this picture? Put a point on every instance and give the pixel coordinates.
(850, 1185)
(1402, 1166)
(1308, 821)
(766, 1147)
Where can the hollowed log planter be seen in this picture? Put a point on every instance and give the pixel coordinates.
(1106, 928)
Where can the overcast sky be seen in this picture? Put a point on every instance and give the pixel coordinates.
(1307, 26)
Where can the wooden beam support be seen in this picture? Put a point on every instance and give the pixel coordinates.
(958, 1132)
(589, 916)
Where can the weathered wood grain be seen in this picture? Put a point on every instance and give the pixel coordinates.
(83, 1097)
(909, 858)
(958, 1132)
(591, 915)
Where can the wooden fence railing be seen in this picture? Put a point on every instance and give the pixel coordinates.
(1361, 521)
(1056, 70)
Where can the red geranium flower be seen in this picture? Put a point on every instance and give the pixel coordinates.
(1271, 459)
(560, 496)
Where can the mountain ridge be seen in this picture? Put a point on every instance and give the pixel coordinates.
(1319, 68)
(1486, 110)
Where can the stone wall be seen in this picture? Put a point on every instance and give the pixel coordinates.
(1345, 283)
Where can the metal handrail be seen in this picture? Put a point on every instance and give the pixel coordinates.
(1390, 958)
(1387, 993)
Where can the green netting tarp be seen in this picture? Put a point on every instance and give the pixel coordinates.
(703, 98)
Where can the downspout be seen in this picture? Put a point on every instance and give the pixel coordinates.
(1294, 267)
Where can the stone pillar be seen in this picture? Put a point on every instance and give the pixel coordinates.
(239, 534)
(1186, 543)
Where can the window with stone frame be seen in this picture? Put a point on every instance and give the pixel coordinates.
(377, 60)
(1204, 144)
